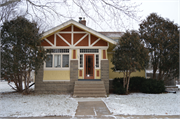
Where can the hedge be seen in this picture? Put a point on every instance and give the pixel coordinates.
(139, 84)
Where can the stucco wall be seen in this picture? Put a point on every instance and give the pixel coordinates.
(63, 75)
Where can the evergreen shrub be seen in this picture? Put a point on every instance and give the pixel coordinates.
(152, 86)
(118, 86)
(139, 84)
(136, 83)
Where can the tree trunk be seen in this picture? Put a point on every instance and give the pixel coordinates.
(154, 71)
(128, 80)
(160, 75)
(124, 79)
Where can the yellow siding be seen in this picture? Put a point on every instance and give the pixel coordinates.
(56, 75)
(113, 75)
(80, 77)
(98, 77)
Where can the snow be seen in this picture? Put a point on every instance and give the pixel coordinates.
(4, 87)
(178, 86)
(33, 105)
(144, 104)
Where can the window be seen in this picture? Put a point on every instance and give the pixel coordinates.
(65, 60)
(89, 50)
(58, 50)
(58, 58)
(97, 60)
(57, 61)
(81, 61)
(49, 61)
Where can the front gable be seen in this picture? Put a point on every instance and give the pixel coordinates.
(72, 36)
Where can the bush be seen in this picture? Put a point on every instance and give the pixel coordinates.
(139, 84)
(136, 83)
(118, 86)
(152, 86)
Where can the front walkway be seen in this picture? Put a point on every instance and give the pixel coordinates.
(93, 108)
(96, 109)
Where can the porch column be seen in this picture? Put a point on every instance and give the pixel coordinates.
(105, 74)
(73, 70)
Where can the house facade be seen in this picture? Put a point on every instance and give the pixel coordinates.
(78, 53)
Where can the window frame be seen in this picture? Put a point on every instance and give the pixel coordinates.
(51, 61)
(98, 53)
(53, 58)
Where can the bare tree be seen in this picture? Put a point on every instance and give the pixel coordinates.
(114, 13)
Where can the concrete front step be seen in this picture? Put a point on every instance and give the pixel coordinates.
(89, 86)
(89, 95)
(89, 92)
(89, 82)
(89, 89)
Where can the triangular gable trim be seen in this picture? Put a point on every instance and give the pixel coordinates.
(77, 24)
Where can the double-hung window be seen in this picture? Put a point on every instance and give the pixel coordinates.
(57, 61)
(65, 61)
(59, 58)
(49, 60)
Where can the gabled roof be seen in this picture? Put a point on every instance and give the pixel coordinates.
(112, 34)
(79, 25)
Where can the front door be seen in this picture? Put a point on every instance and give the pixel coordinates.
(88, 66)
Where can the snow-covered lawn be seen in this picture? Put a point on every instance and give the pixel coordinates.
(18, 105)
(144, 104)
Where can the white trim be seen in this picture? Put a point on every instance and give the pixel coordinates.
(80, 39)
(72, 34)
(63, 68)
(76, 47)
(104, 59)
(55, 39)
(89, 39)
(68, 32)
(48, 41)
(55, 80)
(74, 59)
(96, 42)
(64, 39)
(55, 29)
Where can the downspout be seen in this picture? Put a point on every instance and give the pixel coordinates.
(145, 74)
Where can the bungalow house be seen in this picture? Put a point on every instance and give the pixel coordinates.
(79, 62)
